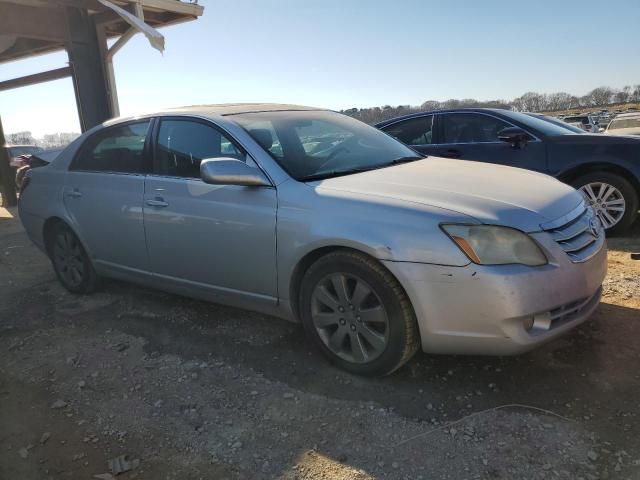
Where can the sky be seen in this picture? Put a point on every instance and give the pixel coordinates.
(353, 53)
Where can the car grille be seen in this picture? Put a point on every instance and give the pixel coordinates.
(579, 234)
(569, 311)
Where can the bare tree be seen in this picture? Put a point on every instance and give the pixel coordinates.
(529, 102)
(599, 96)
(430, 105)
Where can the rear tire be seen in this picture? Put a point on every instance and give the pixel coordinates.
(358, 314)
(70, 260)
(590, 186)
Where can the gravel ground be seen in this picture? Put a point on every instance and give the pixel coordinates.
(190, 390)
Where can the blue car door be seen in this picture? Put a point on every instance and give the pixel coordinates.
(474, 136)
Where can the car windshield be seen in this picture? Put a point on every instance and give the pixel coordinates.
(624, 123)
(311, 145)
(558, 122)
(545, 125)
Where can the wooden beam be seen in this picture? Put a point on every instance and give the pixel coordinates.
(173, 6)
(41, 77)
(29, 47)
(7, 175)
(88, 4)
(32, 22)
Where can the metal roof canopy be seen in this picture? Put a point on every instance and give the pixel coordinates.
(81, 27)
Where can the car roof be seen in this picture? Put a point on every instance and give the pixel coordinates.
(221, 109)
(450, 110)
(628, 115)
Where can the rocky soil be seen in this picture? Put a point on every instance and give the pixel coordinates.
(134, 383)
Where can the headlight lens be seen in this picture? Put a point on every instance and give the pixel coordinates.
(493, 245)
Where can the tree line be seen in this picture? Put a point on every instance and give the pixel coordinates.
(529, 102)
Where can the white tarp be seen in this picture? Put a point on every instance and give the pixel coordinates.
(155, 38)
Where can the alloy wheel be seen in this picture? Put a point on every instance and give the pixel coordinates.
(68, 258)
(606, 200)
(350, 318)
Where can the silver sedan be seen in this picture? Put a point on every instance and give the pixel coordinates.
(315, 217)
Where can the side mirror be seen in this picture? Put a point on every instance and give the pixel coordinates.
(515, 136)
(229, 171)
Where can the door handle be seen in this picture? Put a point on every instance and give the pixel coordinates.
(157, 203)
(451, 153)
(75, 193)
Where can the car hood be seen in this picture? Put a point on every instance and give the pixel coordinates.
(623, 131)
(492, 194)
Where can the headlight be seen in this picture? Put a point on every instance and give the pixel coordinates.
(492, 245)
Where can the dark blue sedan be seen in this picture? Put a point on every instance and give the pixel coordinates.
(605, 168)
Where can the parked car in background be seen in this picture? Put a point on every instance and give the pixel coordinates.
(39, 159)
(16, 152)
(314, 216)
(604, 168)
(624, 124)
(585, 122)
(556, 121)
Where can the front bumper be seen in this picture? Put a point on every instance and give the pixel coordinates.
(479, 309)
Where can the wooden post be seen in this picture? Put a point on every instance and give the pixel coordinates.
(7, 177)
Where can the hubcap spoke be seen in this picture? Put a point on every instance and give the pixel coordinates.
(609, 218)
(340, 286)
(325, 319)
(591, 196)
(349, 318)
(336, 341)
(357, 348)
(323, 296)
(375, 339)
(605, 192)
(360, 294)
(608, 202)
(373, 315)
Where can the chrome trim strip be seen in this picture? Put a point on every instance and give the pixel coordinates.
(567, 218)
(579, 259)
(578, 248)
(569, 233)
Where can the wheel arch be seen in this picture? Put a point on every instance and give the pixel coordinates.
(310, 258)
(48, 228)
(572, 174)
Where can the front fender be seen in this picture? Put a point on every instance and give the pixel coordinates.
(383, 228)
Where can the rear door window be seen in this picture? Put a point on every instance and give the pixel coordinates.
(118, 149)
(414, 131)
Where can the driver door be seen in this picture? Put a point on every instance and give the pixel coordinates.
(474, 136)
(217, 237)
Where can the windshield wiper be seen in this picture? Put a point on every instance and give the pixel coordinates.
(400, 160)
(339, 173)
(334, 173)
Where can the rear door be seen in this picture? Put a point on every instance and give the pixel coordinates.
(103, 195)
(474, 136)
(418, 132)
(220, 237)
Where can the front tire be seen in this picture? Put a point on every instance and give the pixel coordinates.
(70, 261)
(358, 314)
(613, 198)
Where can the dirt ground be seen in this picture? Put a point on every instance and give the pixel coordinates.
(190, 390)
